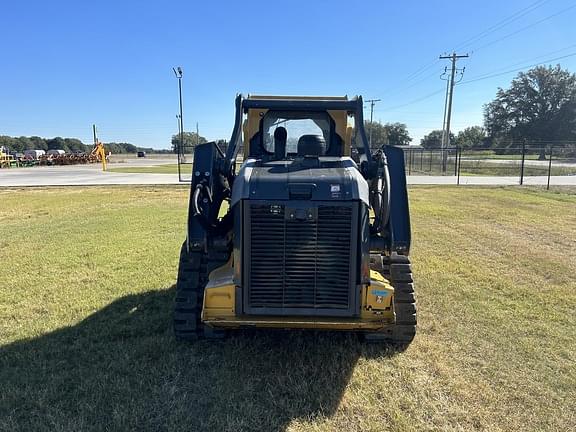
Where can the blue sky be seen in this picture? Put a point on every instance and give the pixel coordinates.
(68, 64)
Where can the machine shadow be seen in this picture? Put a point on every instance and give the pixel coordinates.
(121, 369)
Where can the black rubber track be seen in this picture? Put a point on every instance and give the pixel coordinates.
(193, 271)
(398, 271)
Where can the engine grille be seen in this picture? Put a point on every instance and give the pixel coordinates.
(300, 259)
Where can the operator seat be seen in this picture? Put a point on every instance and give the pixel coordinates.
(311, 145)
(280, 137)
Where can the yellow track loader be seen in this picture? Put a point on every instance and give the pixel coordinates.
(310, 231)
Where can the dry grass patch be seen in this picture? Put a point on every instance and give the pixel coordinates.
(86, 344)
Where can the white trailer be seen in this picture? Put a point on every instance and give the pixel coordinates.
(33, 154)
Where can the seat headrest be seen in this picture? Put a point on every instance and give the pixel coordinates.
(311, 145)
(280, 134)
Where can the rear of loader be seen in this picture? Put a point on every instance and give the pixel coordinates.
(300, 235)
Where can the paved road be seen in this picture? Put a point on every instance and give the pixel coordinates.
(78, 175)
(120, 162)
(492, 180)
(83, 175)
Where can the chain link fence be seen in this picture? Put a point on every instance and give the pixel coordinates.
(524, 161)
(521, 161)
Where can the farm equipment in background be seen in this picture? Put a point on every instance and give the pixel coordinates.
(56, 157)
(98, 154)
(32, 158)
(6, 159)
(300, 235)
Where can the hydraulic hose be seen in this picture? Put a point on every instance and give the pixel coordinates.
(196, 200)
(386, 197)
(197, 209)
(380, 192)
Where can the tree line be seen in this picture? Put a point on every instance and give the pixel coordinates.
(537, 110)
(69, 145)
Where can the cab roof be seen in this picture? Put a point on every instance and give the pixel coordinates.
(301, 103)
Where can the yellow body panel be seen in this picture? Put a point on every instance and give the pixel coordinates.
(219, 295)
(341, 122)
(252, 126)
(377, 298)
(377, 310)
(297, 323)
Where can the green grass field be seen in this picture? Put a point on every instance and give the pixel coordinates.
(86, 344)
(156, 169)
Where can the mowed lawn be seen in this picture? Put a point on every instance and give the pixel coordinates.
(154, 169)
(86, 284)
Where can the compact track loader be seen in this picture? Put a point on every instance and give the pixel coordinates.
(309, 231)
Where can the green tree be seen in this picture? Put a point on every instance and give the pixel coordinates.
(434, 140)
(397, 134)
(74, 144)
(540, 105)
(9, 143)
(190, 140)
(37, 143)
(24, 143)
(471, 137)
(379, 136)
(56, 143)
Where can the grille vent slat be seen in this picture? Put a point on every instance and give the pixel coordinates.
(300, 263)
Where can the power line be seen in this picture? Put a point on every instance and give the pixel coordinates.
(414, 101)
(483, 77)
(532, 58)
(399, 89)
(411, 77)
(526, 27)
(502, 23)
(421, 69)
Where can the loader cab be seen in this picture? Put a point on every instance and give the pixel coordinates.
(287, 135)
(322, 127)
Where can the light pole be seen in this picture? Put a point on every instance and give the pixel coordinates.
(178, 73)
(179, 130)
(372, 102)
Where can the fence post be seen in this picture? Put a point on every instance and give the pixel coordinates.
(456, 161)
(421, 153)
(522, 164)
(549, 167)
(430, 170)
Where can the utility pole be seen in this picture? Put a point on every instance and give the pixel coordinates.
(178, 73)
(372, 103)
(448, 110)
(445, 102)
(443, 153)
(94, 134)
